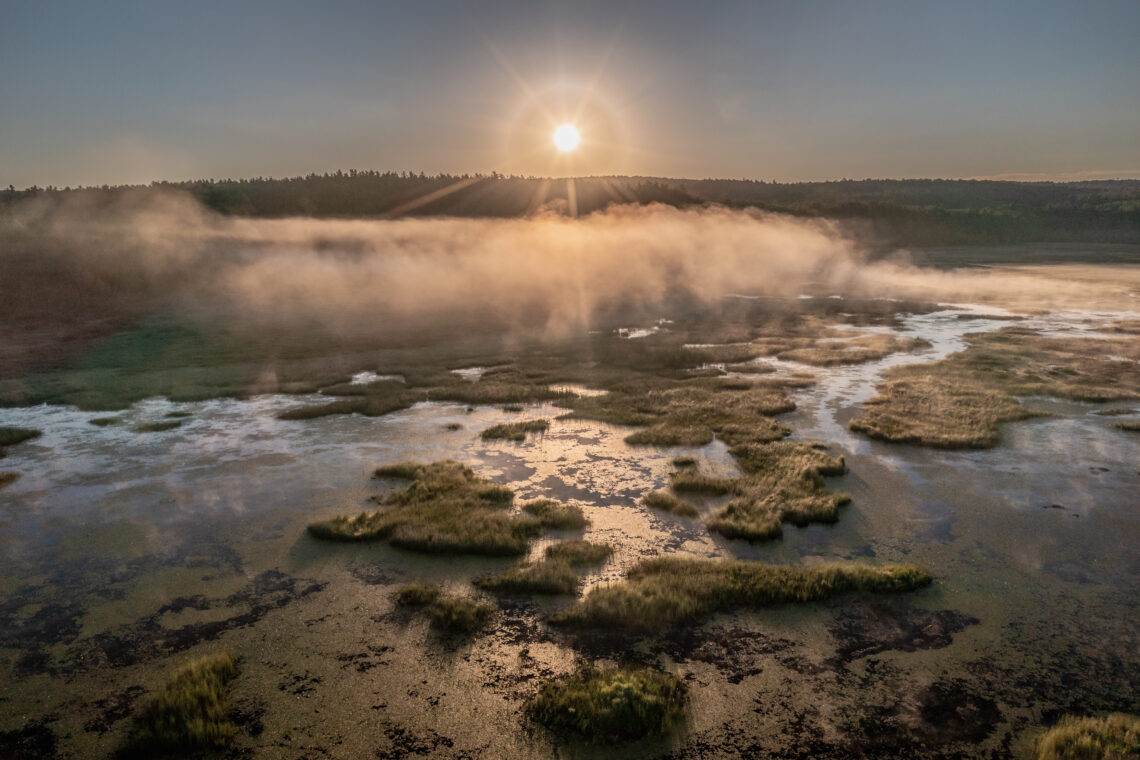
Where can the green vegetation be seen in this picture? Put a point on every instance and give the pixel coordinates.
(10, 436)
(782, 482)
(667, 502)
(864, 348)
(558, 573)
(612, 705)
(157, 427)
(105, 421)
(417, 595)
(515, 431)
(1114, 737)
(190, 713)
(446, 509)
(555, 515)
(671, 591)
(8, 478)
(960, 401)
(459, 614)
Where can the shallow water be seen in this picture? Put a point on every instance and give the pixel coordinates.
(127, 552)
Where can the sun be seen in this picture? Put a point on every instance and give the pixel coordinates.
(566, 138)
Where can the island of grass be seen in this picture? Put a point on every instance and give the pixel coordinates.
(1132, 426)
(515, 431)
(8, 478)
(10, 436)
(857, 350)
(459, 614)
(558, 573)
(417, 594)
(1114, 737)
(158, 426)
(959, 402)
(610, 706)
(672, 591)
(104, 421)
(190, 713)
(447, 508)
(668, 502)
(555, 515)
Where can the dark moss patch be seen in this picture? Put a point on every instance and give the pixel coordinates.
(404, 743)
(515, 431)
(105, 421)
(446, 509)
(610, 706)
(668, 591)
(8, 478)
(191, 711)
(1112, 737)
(35, 741)
(113, 708)
(869, 628)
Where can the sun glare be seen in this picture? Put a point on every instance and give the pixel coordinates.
(566, 138)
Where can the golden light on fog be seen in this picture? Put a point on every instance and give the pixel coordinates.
(566, 138)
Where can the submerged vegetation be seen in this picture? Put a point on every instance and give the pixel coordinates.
(446, 509)
(610, 705)
(960, 401)
(670, 591)
(515, 431)
(10, 436)
(191, 711)
(557, 573)
(1113, 737)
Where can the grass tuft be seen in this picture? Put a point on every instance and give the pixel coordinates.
(555, 515)
(8, 478)
(612, 705)
(667, 502)
(190, 713)
(558, 573)
(1114, 737)
(515, 431)
(158, 427)
(105, 421)
(417, 594)
(10, 436)
(459, 614)
(671, 591)
(446, 508)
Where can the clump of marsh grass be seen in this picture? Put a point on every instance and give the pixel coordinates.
(446, 508)
(417, 594)
(10, 436)
(667, 502)
(190, 713)
(158, 426)
(105, 421)
(555, 515)
(680, 462)
(8, 478)
(857, 350)
(1131, 426)
(959, 402)
(611, 705)
(1114, 737)
(459, 614)
(178, 415)
(558, 573)
(671, 591)
(515, 431)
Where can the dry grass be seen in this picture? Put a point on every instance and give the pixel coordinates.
(671, 591)
(667, 502)
(417, 594)
(864, 348)
(447, 508)
(960, 401)
(8, 478)
(190, 713)
(1131, 426)
(459, 614)
(515, 431)
(610, 706)
(1114, 737)
(158, 427)
(555, 515)
(10, 436)
(557, 573)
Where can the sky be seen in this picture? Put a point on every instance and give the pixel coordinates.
(117, 92)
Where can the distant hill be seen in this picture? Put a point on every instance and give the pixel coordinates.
(916, 212)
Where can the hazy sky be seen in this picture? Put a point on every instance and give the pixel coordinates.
(111, 92)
